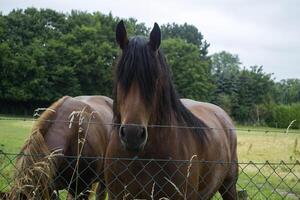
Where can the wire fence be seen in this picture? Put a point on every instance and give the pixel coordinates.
(134, 178)
(61, 177)
(248, 129)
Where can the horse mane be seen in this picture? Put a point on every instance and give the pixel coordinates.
(35, 165)
(149, 69)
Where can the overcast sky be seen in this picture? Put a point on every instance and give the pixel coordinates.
(261, 32)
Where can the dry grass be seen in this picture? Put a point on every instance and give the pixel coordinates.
(34, 173)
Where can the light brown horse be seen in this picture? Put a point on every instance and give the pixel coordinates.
(153, 125)
(76, 128)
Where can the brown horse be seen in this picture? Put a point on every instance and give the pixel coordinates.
(76, 128)
(153, 125)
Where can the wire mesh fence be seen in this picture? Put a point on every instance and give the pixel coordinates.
(62, 177)
(141, 178)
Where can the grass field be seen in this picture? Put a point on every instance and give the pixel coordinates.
(261, 181)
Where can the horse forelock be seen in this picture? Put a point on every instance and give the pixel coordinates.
(138, 64)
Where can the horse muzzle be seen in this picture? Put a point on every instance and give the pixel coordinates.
(133, 137)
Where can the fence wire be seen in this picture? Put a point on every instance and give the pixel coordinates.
(252, 129)
(134, 178)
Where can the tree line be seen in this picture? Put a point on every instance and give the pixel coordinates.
(45, 54)
(252, 96)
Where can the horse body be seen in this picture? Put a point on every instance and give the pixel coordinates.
(205, 179)
(96, 118)
(219, 146)
(76, 127)
(156, 124)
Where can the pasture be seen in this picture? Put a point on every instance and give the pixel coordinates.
(255, 145)
(262, 180)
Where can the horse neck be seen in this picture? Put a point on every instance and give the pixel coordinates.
(170, 112)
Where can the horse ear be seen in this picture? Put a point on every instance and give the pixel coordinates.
(121, 35)
(155, 37)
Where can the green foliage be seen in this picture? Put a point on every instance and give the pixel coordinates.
(254, 88)
(190, 74)
(186, 32)
(225, 71)
(287, 91)
(282, 115)
(251, 95)
(45, 54)
(225, 63)
(240, 91)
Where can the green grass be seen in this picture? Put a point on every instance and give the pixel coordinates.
(13, 133)
(267, 181)
(271, 146)
(261, 181)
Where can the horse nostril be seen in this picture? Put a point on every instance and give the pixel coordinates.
(143, 133)
(122, 132)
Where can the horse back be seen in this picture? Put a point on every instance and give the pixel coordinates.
(85, 117)
(100, 105)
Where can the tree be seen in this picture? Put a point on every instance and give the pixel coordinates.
(225, 72)
(241, 92)
(188, 33)
(225, 63)
(45, 54)
(190, 74)
(254, 88)
(287, 91)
